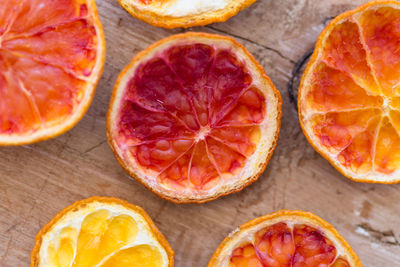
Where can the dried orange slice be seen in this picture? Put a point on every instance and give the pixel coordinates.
(349, 97)
(101, 232)
(194, 117)
(184, 13)
(284, 239)
(51, 58)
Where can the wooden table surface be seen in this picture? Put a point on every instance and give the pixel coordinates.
(37, 181)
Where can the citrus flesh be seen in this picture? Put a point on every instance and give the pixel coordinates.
(184, 13)
(285, 238)
(101, 232)
(350, 93)
(51, 56)
(191, 116)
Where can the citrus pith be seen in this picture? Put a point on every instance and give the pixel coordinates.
(194, 117)
(184, 13)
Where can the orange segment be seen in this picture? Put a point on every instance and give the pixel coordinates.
(158, 155)
(344, 51)
(176, 176)
(313, 249)
(138, 256)
(156, 86)
(387, 158)
(101, 232)
(53, 101)
(71, 47)
(36, 16)
(192, 63)
(202, 169)
(241, 139)
(349, 99)
(358, 155)
(250, 109)
(227, 161)
(284, 239)
(24, 116)
(334, 90)
(229, 78)
(51, 58)
(196, 91)
(138, 124)
(336, 130)
(275, 245)
(245, 257)
(380, 29)
(340, 262)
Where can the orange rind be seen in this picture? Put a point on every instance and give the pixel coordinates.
(194, 117)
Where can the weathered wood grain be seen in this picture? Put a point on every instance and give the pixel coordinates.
(39, 180)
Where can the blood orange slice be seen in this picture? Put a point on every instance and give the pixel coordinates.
(194, 117)
(51, 58)
(184, 13)
(284, 239)
(102, 232)
(350, 93)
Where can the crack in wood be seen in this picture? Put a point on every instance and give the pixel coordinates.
(385, 237)
(94, 147)
(253, 42)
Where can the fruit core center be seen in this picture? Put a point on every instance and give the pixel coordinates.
(386, 106)
(202, 133)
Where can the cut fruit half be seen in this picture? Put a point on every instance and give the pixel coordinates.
(51, 58)
(349, 97)
(285, 239)
(101, 232)
(184, 13)
(194, 117)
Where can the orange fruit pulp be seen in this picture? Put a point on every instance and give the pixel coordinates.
(194, 117)
(285, 239)
(349, 98)
(103, 232)
(51, 57)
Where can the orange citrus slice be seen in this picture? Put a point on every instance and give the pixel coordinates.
(184, 13)
(285, 239)
(349, 97)
(51, 58)
(101, 232)
(194, 117)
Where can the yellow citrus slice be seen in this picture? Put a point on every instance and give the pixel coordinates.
(285, 239)
(101, 232)
(350, 93)
(184, 13)
(194, 117)
(51, 58)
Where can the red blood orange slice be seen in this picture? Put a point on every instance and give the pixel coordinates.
(194, 117)
(285, 239)
(349, 95)
(51, 58)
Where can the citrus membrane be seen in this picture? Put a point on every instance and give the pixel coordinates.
(51, 57)
(350, 94)
(101, 232)
(193, 116)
